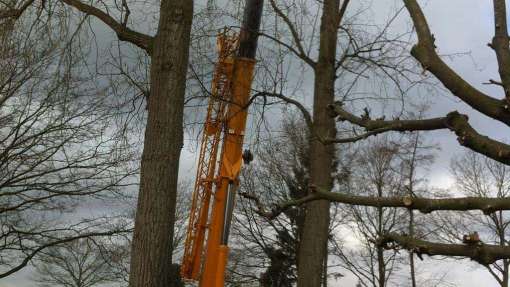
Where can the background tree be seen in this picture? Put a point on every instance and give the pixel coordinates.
(79, 263)
(168, 51)
(376, 172)
(59, 147)
(416, 156)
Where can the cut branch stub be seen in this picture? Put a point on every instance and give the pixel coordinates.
(407, 200)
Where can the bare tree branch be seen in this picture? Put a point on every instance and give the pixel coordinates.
(482, 253)
(500, 44)
(15, 12)
(124, 33)
(425, 205)
(341, 13)
(425, 53)
(454, 121)
(297, 104)
(31, 253)
(295, 36)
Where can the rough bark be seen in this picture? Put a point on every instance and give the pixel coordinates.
(151, 263)
(313, 245)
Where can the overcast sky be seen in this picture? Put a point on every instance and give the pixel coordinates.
(459, 26)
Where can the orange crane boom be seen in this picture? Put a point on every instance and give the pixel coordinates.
(224, 128)
(230, 166)
(206, 177)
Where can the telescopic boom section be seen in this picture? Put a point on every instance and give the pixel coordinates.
(238, 79)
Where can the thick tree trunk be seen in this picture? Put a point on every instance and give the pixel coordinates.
(151, 262)
(313, 245)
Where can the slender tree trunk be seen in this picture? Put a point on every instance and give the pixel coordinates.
(502, 242)
(504, 283)
(411, 254)
(151, 262)
(313, 245)
(412, 166)
(381, 266)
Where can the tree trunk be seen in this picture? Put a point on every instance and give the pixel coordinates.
(411, 254)
(502, 242)
(325, 271)
(506, 262)
(381, 266)
(313, 245)
(151, 262)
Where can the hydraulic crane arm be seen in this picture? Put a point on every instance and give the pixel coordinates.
(206, 176)
(226, 115)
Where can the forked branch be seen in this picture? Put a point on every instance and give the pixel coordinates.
(424, 51)
(123, 32)
(454, 121)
